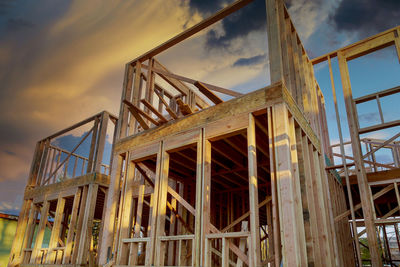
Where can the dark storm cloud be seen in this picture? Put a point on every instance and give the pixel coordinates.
(16, 24)
(205, 7)
(237, 25)
(250, 61)
(366, 16)
(5, 5)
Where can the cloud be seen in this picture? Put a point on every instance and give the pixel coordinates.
(371, 117)
(250, 61)
(17, 24)
(205, 7)
(5, 5)
(366, 17)
(237, 25)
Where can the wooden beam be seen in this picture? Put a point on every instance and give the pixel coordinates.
(203, 89)
(379, 176)
(137, 112)
(254, 249)
(55, 232)
(152, 109)
(72, 226)
(167, 108)
(40, 233)
(194, 29)
(87, 224)
(185, 109)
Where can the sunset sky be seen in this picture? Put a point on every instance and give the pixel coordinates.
(62, 60)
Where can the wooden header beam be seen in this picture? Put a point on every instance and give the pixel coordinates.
(351, 46)
(193, 30)
(79, 124)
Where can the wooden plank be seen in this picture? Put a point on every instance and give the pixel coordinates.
(16, 248)
(72, 226)
(137, 112)
(162, 208)
(359, 206)
(274, 42)
(382, 93)
(151, 245)
(40, 233)
(173, 80)
(69, 154)
(290, 246)
(370, 46)
(154, 110)
(55, 232)
(87, 224)
(203, 89)
(197, 242)
(166, 74)
(181, 200)
(360, 171)
(125, 218)
(30, 230)
(126, 95)
(310, 219)
(206, 197)
(335, 52)
(379, 177)
(184, 108)
(92, 148)
(194, 29)
(380, 126)
(274, 193)
(167, 108)
(102, 136)
(137, 86)
(254, 250)
(245, 215)
(297, 193)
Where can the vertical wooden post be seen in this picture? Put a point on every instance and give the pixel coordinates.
(33, 174)
(125, 224)
(137, 84)
(206, 199)
(43, 162)
(111, 208)
(27, 243)
(254, 250)
(103, 219)
(150, 250)
(274, 41)
(93, 143)
(365, 193)
(197, 246)
(55, 231)
(274, 193)
(101, 142)
(162, 208)
(297, 192)
(72, 226)
(86, 232)
(21, 226)
(126, 94)
(138, 221)
(40, 233)
(291, 252)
